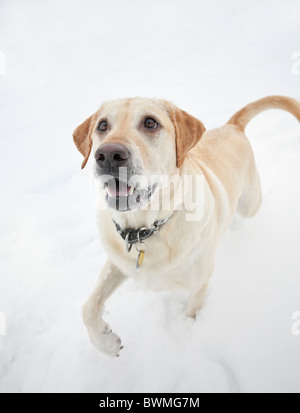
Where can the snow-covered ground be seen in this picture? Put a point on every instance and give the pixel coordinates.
(63, 58)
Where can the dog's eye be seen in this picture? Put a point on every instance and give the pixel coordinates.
(150, 123)
(102, 127)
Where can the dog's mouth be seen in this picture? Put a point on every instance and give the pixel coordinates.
(115, 187)
(124, 197)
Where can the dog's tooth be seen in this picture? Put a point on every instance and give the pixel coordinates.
(131, 190)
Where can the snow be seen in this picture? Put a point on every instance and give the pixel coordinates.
(63, 58)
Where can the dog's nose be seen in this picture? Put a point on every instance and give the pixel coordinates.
(112, 155)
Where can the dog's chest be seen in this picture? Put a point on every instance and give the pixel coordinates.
(167, 262)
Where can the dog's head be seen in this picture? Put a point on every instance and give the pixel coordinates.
(133, 141)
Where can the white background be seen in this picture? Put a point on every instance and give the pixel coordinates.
(63, 58)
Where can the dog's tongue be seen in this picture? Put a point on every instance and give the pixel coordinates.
(117, 188)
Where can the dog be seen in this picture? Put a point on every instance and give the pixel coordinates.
(135, 142)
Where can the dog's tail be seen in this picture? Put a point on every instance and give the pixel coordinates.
(243, 116)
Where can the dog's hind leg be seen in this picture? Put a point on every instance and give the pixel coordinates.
(251, 198)
(99, 332)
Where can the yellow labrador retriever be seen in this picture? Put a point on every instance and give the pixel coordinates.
(157, 226)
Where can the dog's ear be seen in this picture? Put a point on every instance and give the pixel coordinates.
(188, 132)
(82, 138)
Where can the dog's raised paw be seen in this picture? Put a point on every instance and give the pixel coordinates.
(106, 341)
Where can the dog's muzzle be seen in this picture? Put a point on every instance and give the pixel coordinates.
(126, 189)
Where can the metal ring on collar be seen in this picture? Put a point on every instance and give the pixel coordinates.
(128, 246)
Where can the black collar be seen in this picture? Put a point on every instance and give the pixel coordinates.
(134, 236)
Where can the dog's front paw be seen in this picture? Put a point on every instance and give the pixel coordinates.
(106, 341)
